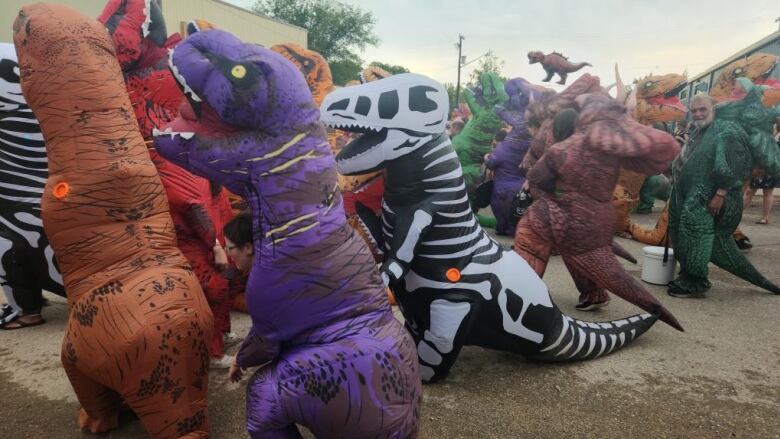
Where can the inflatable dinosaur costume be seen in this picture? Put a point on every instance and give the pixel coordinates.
(138, 322)
(757, 68)
(577, 220)
(336, 360)
(508, 154)
(555, 63)
(653, 100)
(476, 138)
(717, 161)
(455, 285)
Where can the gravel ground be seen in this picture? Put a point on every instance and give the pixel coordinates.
(720, 378)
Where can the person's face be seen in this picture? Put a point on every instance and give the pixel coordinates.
(701, 112)
(241, 255)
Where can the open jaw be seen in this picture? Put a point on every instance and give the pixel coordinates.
(364, 154)
(670, 98)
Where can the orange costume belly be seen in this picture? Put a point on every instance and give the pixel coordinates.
(138, 323)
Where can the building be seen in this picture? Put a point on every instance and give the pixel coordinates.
(702, 82)
(247, 25)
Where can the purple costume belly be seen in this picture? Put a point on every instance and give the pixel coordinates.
(508, 178)
(355, 386)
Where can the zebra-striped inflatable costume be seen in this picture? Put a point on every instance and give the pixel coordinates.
(26, 259)
(455, 285)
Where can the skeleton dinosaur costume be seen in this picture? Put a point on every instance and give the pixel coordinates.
(577, 220)
(555, 63)
(27, 262)
(340, 363)
(138, 322)
(476, 138)
(508, 154)
(138, 31)
(454, 284)
(720, 159)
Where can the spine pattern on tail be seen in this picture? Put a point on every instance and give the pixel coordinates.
(579, 340)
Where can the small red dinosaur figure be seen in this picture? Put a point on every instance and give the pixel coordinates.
(555, 63)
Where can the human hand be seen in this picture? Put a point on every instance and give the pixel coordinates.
(525, 186)
(220, 257)
(235, 373)
(716, 204)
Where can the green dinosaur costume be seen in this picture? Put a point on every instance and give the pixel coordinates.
(476, 138)
(720, 156)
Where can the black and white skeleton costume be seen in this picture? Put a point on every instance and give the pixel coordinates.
(26, 260)
(455, 285)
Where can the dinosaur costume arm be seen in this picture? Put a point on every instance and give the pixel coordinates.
(255, 351)
(724, 175)
(410, 226)
(471, 101)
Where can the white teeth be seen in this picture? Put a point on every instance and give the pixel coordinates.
(180, 78)
(147, 17)
(187, 136)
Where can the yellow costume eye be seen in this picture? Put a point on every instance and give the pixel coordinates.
(238, 71)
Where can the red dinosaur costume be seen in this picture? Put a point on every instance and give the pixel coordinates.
(576, 219)
(138, 31)
(553, 63)
(138, 322)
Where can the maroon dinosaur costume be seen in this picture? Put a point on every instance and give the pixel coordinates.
(138, 32)
(577, 220)
(555, 63)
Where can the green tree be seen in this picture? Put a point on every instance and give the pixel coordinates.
(345, 71)
(390, 68)
(488, 63)
(450, 87)
(336, 30)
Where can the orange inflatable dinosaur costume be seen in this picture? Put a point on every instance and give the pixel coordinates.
(138, 320)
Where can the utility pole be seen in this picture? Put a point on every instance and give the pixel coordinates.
(777, 20)
(460, 62)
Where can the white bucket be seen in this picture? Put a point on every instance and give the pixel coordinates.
(654, 271)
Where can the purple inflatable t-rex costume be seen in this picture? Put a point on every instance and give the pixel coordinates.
(340, 363)
(506, 157)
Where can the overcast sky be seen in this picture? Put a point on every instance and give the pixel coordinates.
(658, 36)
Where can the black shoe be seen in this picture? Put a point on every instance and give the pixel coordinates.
(744, 244)
(678, 292)
(587, 305)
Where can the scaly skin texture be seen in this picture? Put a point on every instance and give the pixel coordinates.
(138, 322)
(577, 219)
(156, 100)
(722, 157)
(507, 155)
(455, 284)
(339, 362)
(656, 101)
(555, 63)
(540, 114)
(755, 68)
(476, 138)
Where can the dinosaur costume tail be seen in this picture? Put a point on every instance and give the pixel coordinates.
(623, 253)
(579, 65)
(726, 255)
(654, 236)
(574, 340)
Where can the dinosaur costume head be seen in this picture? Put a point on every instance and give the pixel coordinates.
(535, 57)
(521, 93)
(313, 66)
(757, 68)
(134, 25)
(231, 85)
(491, 90)
(396, 115)
(373, 73)
(656, 98)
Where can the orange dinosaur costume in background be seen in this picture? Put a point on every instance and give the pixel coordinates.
(138, 322)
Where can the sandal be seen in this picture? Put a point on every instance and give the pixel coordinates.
(18, 323)
(763, 221)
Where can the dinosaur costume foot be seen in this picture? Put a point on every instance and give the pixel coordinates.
(101, 424)
(689, 286)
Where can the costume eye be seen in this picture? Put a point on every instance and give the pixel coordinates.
(648, 84)
(238, 71)
(739, 71)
